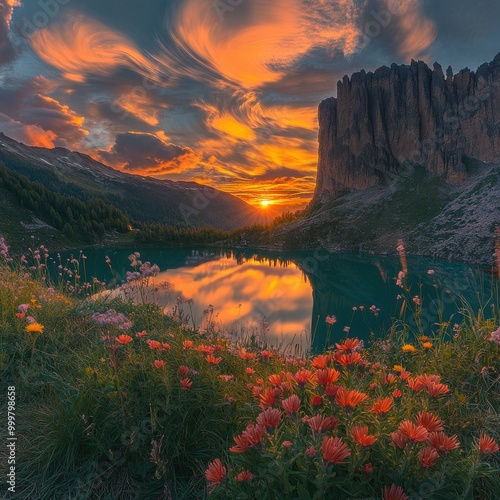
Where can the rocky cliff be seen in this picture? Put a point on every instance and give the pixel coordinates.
(381, 123)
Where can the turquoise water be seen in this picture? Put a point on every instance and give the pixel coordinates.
(287, 296)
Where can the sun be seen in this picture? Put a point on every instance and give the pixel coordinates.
(265, 203)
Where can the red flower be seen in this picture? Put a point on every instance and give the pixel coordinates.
(347, 345)
(436, 390)
(367, 469)
(266, 354)
(215, 473)
(206, 349)
(412, 431)
(302, 377)
(124, 339)
(334, 450)
(487, 445)
(320, 361)
(317, 400)
(382, 406)
(183, 370)
(249, 371)
(399, 439)
(291, 405)
(441, 442)
(320, 423)
(251, 436)
(269, 418)
(397, 393)
(429, 421)
(141, 334)
(328, 376)
(213, 360)
(427, 457)
(388, 378)
(245, 356)
(267, 397)
(353, 358)
(394, 493)
(361, 436)
(153, 344)
(186, 384)
(349, 399)
(187, 344)
(159, 363)
(275, 380)
(244, 476)
(331, 391)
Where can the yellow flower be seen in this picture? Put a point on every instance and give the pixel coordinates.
(424, 338)
(33, 301)
(34, 328)
(427, 345)
(398, 368)
(408, 348)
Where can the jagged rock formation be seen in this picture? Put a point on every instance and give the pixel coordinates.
(381, 122)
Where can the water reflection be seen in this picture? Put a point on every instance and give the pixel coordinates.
(295, 291)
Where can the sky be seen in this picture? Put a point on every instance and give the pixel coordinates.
(221, 92)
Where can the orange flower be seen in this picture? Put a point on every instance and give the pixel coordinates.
(394, 493)
(275, 380)
(331, 391)
(427, 457)
(361, 436)
(436, 390)
(316, 400)
(404, 375)
(165, 346)
(215, 473)
(269, 418)
(249, 371)
(349, 399)
(183, 370)
(353, 358)
(320, 361)
(159, 363)
(302, 377)
(244, 476)
(441, 442)
(412, 431)
(241, 445)
(187, 344)
(388, 378)
(320, 423)
(266, 354)
(487, 445)
(328, 376)
(141, 334)
(34, 328)
(334, 450)
(429, 421)
(213, 360)
(268, 397)
(347, 345)
(398, 439)
(397, 393)
(382, 406)
(124, 339)
(186, 384)
(291, 405)
(206, 349)
(153, 344)
(245, 356)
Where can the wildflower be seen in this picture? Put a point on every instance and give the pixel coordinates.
(382, 406)
(485, 371)
(286, 444)
(361, 436)
(187, 344)
(331, 391)
(367, 469)
(183, 370)
(346, 329)
(124, 339)
(439, 441)
(165, 346)
(349, 399)
(35, 328)
(311, 452)
(388, 378)
(23, 308)
(397, 393)
(331, 320)
(412, 431)
(153, 344)
(141, 334)
(430, 272)
(348, 345)
(494, 336)
(487, 445)
(398, 368)
(426, 345)
(249, 371)
(320, 423)
(215, 474)
(20, 315)
(251, 436)
(213, 360)
(269, 418)
(245, 356)
(244, 476)
(266, 354)
(352, 358)
(186, 383)
(334, 450)
(275, 380)
(328, 376)
(430, 421)
(408, 348)
(291, 405)
(206, 349)
(399, 439)
(226, 378)
(394, 493)
(267, 398)
(427, 457)
(159, 363)
(320, 361)
(417, 300)
(302, 377)
(404, 375)
(317, 400)
(436, 390)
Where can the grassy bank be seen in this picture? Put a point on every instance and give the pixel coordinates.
(117, 400)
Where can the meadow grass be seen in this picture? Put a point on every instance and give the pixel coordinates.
(115, 400)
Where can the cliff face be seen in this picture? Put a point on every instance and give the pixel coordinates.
(382, 122)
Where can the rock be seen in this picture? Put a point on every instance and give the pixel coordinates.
(410, 114)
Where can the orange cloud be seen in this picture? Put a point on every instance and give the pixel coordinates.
(27, 134)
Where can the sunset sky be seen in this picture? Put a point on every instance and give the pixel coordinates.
(223, 92)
